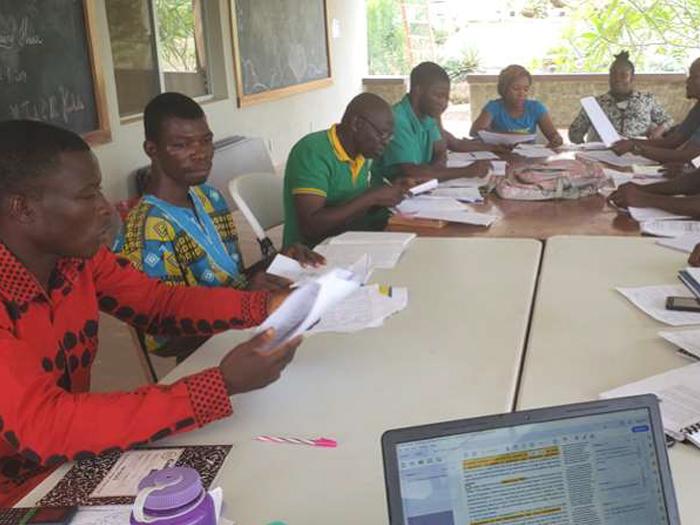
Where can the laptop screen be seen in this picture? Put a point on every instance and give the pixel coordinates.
(591, 469)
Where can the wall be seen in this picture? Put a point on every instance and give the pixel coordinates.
(281, 122)
(561, 93)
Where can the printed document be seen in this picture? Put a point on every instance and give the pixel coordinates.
(505, 139)
(664, 228)
(600, 121)
(609, 157)
(648, 214)
(686, 244)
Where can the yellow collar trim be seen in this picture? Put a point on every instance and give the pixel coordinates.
(356, 164)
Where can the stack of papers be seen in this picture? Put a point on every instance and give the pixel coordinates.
(649, 214)
(609, 157)
(469, 194)
(367, 307)
(498, 167)
(459, 160)
(652, 301)
(289, 268)
(464, 182)
(686, 244)
(665, 228)
(533, 151)
(505, 139)
(383, 248)
(427, 203)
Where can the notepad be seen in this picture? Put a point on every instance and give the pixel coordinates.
(600, 121)
(679, 392)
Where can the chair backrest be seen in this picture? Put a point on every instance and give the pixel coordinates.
(259, 197)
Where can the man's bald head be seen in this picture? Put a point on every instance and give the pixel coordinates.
(367, 105)
(370, 122)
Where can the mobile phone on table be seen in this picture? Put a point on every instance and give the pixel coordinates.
(683, 304)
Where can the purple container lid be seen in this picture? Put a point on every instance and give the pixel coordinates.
(185, 486)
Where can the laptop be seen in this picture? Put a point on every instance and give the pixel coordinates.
(602, 462)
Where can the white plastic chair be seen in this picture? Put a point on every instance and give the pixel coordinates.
(259, 197)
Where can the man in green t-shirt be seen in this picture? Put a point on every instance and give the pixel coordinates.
(419, 146)
(327, 187)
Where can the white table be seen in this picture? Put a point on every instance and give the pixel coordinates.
(587, 338)
(453, 353)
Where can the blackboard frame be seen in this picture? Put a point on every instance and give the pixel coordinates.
(243, 99)
(103, 133)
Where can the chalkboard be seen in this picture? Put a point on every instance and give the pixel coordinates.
(47, 70)
(281, 47)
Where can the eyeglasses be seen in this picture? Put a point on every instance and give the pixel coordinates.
(384, 136)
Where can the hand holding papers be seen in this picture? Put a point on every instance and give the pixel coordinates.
(424, 188)
(304, 306)
(533, 151)
(609, 157)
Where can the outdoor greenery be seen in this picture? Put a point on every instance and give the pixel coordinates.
(176, 34)
(386, 38)
(661, 35)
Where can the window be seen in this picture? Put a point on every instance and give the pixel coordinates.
(157, 46)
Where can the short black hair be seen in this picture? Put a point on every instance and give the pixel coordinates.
(623, 59)
(427, 74)
(165, 106)
(29, 149)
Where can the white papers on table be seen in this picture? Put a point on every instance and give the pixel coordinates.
(533, 151)
(131, 467)
(611, 158)
(403, 239)
(483, 155)
(650, 214)
(289, 268)
(686, 243)
(696, 162)
(652, 301)
(459, 160)
(687, 340)
(600, 121)
(618, 178)
(679, 392)
(504, 139)
(428, 204)
(461, 194)
(587, 146)
(648, 171)
(367, 307)
(384, 256)
(424, 188)
(466, 182)
(664, 228)
(465, 216)
(498, 167)
(307, 303)
(107, 515)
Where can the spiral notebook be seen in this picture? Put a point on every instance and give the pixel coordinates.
(678, 391)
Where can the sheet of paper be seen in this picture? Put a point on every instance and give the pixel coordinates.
(368, 307)
(459, 160)
(686, 244)
(650, 214)
(289, 268)
(404, 239)
(688, 340)
(466, 182)
(609, 157)
(484, 155)
(425, 187)
(652, 301)
(498, 167)
(665, 228)
(384, 256)
(696, 162)
(131, 467)
(533, 151)
(460, 216)
(648, 171)
(108, 515)
(678, 390)
(461, 194)
(505, 139)
(426, 204)
(600, 121)
(587, 146)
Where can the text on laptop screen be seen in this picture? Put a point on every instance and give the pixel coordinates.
(595, 469)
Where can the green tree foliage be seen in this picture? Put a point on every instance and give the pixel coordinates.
(386, 38)
(661, 35)
(176, 34)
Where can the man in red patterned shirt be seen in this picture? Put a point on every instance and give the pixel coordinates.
(55, 274)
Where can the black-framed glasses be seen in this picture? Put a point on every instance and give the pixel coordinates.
(382, 135)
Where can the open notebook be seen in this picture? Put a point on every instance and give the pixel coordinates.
(679, 392)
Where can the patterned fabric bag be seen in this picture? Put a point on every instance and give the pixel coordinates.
(559, 179)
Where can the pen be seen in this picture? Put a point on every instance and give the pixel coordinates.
(386, 181)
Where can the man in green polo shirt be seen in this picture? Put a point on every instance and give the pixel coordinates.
(327, 188)
(419, 147)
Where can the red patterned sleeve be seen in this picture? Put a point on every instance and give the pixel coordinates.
(159, 309)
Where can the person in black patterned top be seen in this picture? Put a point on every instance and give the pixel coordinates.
(631, 112)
